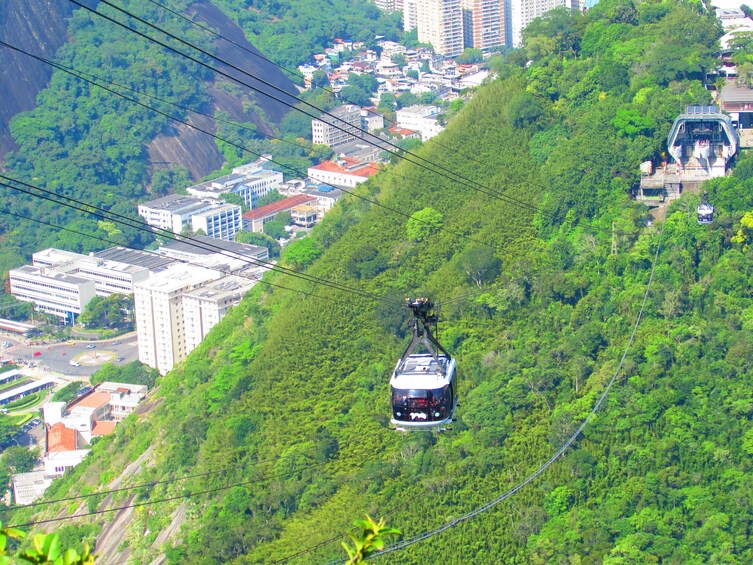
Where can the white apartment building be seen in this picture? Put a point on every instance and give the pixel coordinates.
(389, 5)
(215, 253)
(204, 307)
(172, 212)
(410, 14)
(111, 277)
(159, 314)
(53, 257)
(440, 22)
(420, 118)
(483, 23)
(343, 172)
(56, 293)
(222, 222)
(250, 182)
(340, 126)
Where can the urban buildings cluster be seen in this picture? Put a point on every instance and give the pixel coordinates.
(453, 25)
(71, 427)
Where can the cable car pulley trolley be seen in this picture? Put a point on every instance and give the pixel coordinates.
(424, 387)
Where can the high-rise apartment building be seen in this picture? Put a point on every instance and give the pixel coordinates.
(410, 14)
(339, 126)
(483, 25)
(158, 305)
(389, 5)
(440, 22)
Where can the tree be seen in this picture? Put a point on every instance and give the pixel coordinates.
(260, 239)
(233, 198)
(269, 198)
(479, 264)
(470, 56)
(423, 223)
(425, 67)
(399, 60)
(368, 540)
(355, 95)
(19, 459)
(319, 79)
(301, 253)
(275, 229)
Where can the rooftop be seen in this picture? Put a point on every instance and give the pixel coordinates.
(210, 246)
(94, 400)
(54, 256)
(146, 259)
(223, 288)
(175, 278)
(732, 93)
(347, 166)
(60, 438)
(174, 203)
(103, 427)
(28, 487)
(49, 274)
(279, 206)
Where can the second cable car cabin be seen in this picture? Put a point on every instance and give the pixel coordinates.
(423, 385)
(705, 210)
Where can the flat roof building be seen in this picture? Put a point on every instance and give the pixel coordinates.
(204, 307)
(250, 182)
(213, 253)
(52, 292)
(255, 219)
(338, 126)
(159, 314)
(344, 172)
(222, 222)
(173, 212)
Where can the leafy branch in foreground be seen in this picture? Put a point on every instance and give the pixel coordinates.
(369, 540)
(45, 550)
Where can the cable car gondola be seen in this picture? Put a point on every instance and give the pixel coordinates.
(424, 387)
(705, 210)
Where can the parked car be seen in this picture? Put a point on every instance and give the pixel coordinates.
(121, 358)
(37, 353)
(35, 422)
(117, 342)
(74, 363)
(91, 346)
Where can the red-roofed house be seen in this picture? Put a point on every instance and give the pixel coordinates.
(254, 220)
(60, 438)
(343, 172)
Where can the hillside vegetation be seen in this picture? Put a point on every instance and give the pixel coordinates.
(287, 399)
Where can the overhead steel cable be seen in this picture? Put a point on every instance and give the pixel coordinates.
(415, 159)
(206, 246)
(260, 280)
(171, 498)
(243, 148)
(542, 468)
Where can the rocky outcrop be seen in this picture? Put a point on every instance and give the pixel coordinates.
(37, 26)
(196, 151)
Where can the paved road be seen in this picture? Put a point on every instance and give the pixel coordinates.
(57, 357)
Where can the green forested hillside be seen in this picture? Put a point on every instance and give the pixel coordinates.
(287, 400)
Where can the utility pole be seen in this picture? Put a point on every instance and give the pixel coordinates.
(614, 240)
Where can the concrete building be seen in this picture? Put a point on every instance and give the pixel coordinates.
(52, 292)
(124, 399)
(204, 307)
(28, 487)
(250, 182)
(215, 253)
(172, 213)
(483, 23)
(222, 222)
(146, 259)
(410, 14)
(420, 118)
(344, 172)
(341, 126)
(305, 215)
(159, 314)
(111, 277)
(55, 257)
(389, 5)
(255, 219)
(440, 22)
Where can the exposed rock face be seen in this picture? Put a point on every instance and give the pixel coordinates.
(197, 152)
(37, 26)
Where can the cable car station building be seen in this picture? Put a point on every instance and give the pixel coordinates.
(701, 142)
